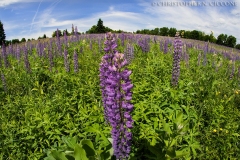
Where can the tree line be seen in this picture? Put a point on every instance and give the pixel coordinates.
(222, 39)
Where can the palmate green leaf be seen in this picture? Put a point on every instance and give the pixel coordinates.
(58, 155)
(166, 127)
(87, 145)
(182, 153)
(171, 152)
(79, 153)
(179, 117)
(70, 141)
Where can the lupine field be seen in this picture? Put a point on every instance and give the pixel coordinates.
(119, 96)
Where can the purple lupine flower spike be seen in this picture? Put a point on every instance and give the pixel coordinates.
(176, 59)
(116, 93)
(75, 60)
(26, 61)
(66, 62)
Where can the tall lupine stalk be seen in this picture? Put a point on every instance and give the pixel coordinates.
(26, 61)
(176, 59)
(76, 34)
(165, 50)
(66, 62)
(116, 93)
(144, 44)
(122, 39)
(99, 45)
(75, 61)
(129, 53)
(4, 56)
(4, 82)
(205, 54)
(65, 38)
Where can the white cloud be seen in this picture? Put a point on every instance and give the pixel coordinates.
(4, 3)
(205, 19)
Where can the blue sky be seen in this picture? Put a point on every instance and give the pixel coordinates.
(33, 18)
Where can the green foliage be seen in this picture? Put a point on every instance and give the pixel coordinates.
(172, 32)
(41, 111)
(2, 34)
(80, 151)
(222, 39)
(59, 33)
(237, 46)
(23, 40)
(100, 27)
(14, 41)
(164, 31)
(231, 41)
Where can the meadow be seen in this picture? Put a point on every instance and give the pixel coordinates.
(52, 109)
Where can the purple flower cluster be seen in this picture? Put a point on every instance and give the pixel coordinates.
(144, 44)
(165, 46)
(116, 94)
(129, 53)
(176, 59)
(75, 61)
(26, 61)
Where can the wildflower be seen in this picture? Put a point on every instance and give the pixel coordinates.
(116, 93)
(75, 61)
(176, 59)
(215, 130)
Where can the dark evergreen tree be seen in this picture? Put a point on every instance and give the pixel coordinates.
(100, 27)
(44, 36)
(2, 34)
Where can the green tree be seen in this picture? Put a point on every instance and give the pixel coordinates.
(221, 39)
(231, 41)
(23, 40)
(2, 34)
(195, 35)
(55, 33)
(44, 36)
(164, 31)
(14, 41)
(100, 27)
(93, 29)
(237, 46)
(172, 32)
